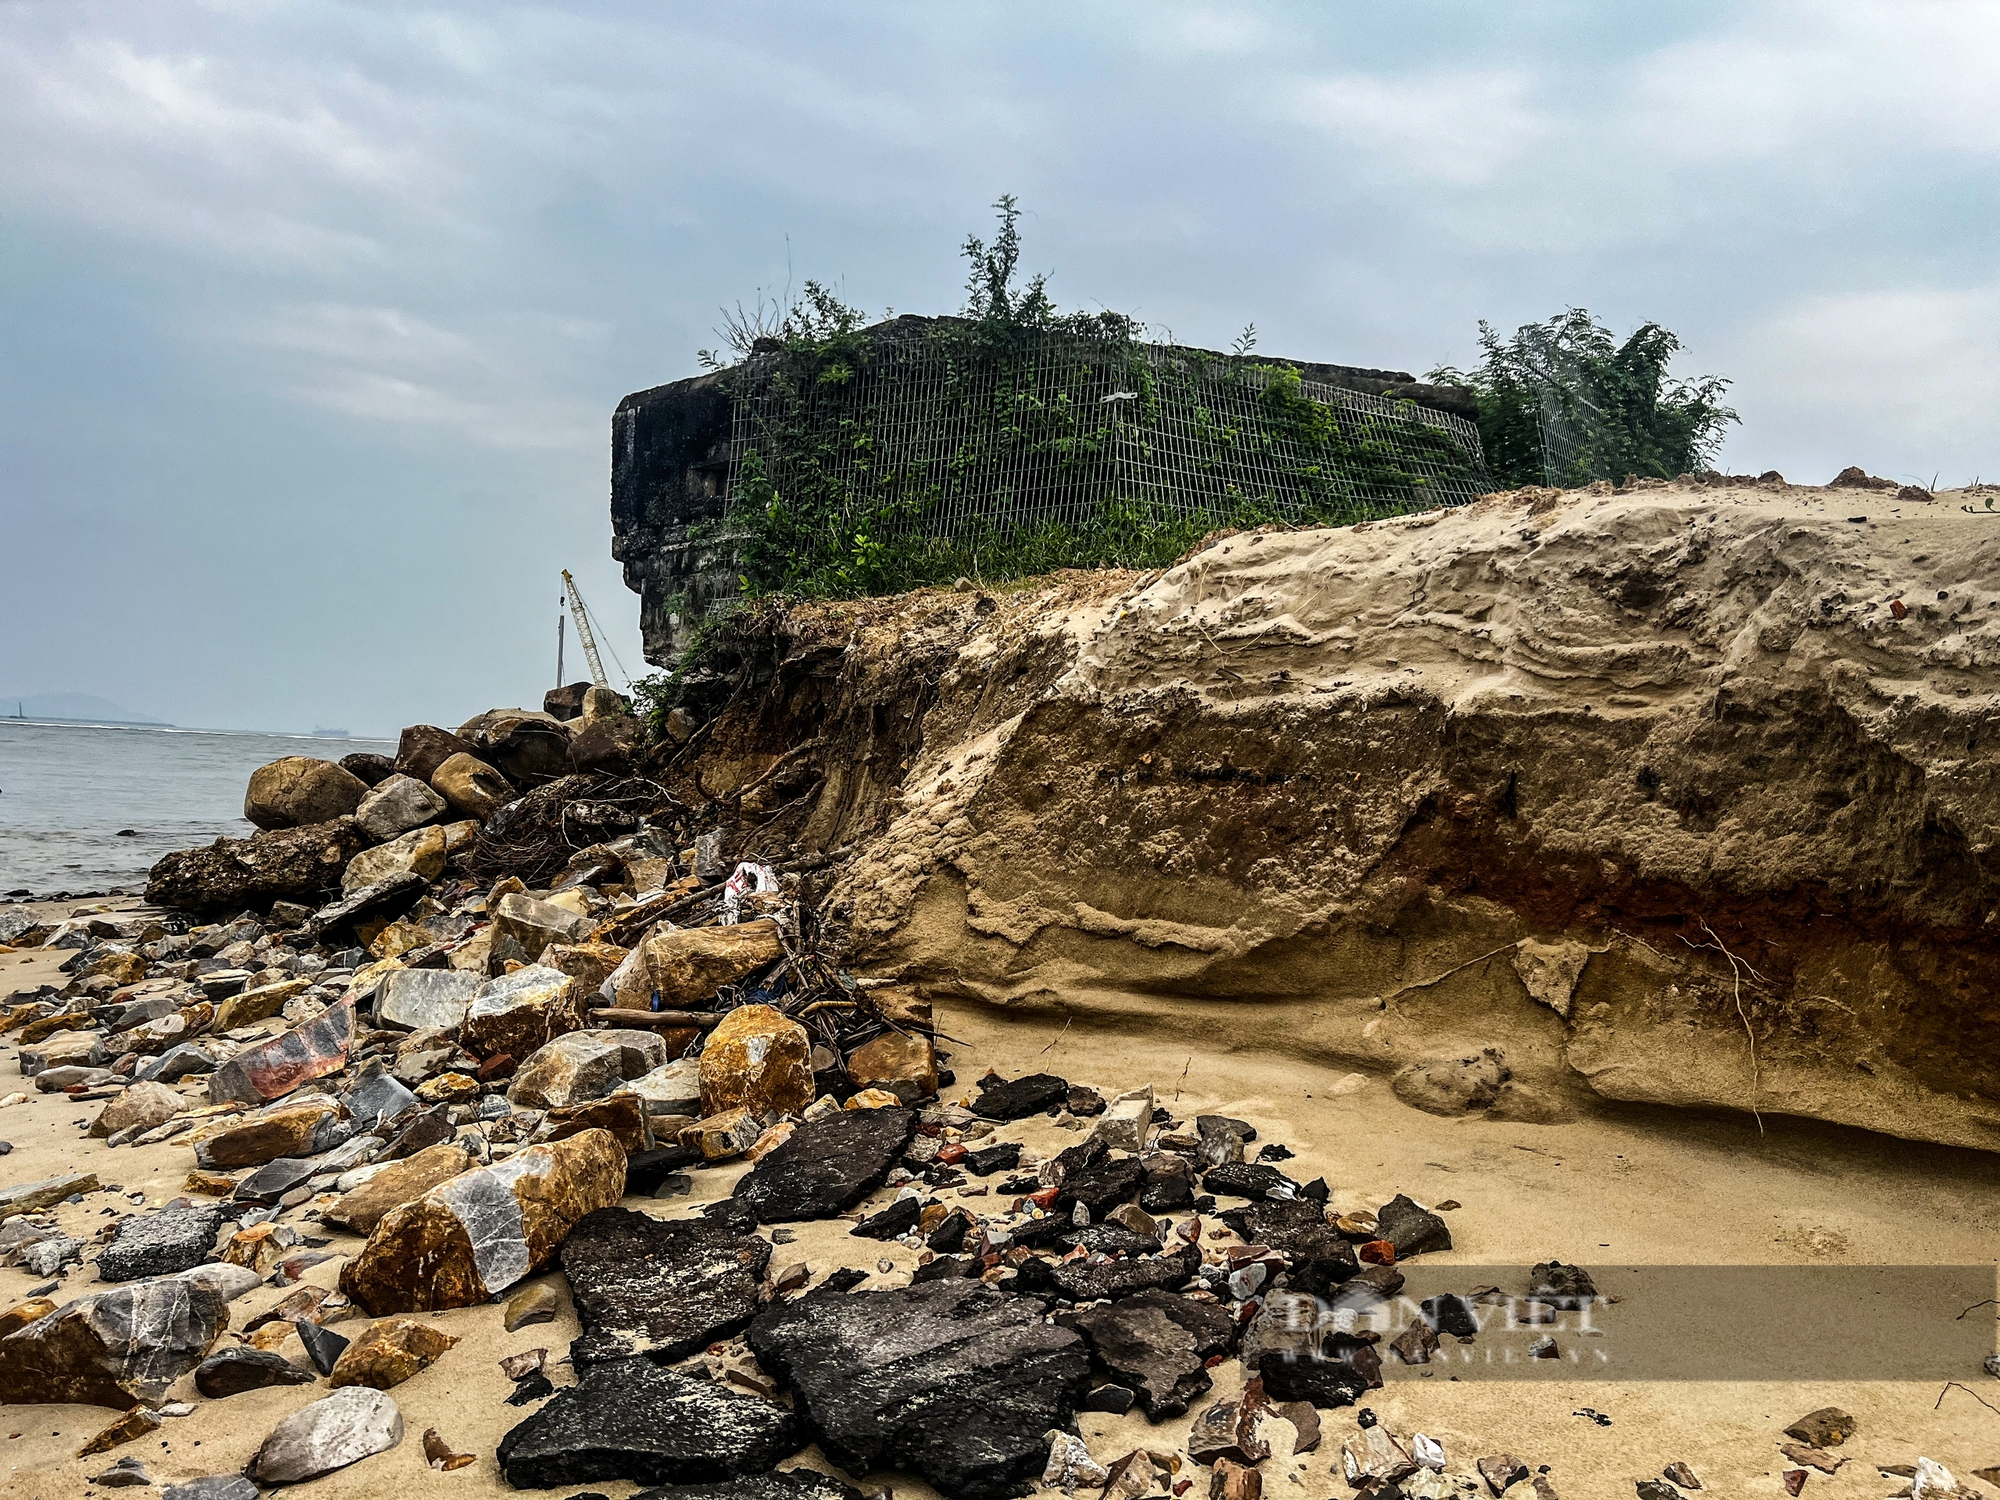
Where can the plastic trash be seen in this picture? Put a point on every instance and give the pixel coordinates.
(749, 880)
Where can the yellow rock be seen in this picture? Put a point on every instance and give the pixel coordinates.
(125, 968)
(687, 965)
(486, 1229)
(397, 1184)
(259, 1004)
(389, 1353)
(589, 964)
(874, 1099)
(421, 849)
(399, 938)
(23, 1313)
(894, 1058)
(771, 1140)
(448, 1088)
(209, 1184)
(728, 1134)
(757, 1059)
(136, 1423)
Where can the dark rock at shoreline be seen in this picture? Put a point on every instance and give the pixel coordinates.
(425, 747)
(1081, 1281)
(793, 1484)
(294, 864)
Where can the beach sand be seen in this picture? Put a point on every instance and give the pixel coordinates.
(1631, 1187)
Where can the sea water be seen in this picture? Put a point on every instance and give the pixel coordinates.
(69, 793)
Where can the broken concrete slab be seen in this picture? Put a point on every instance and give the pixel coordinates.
(952, 1381)
(828, 1166)
(161, 1243)
(633, 1419)
(665, 1288)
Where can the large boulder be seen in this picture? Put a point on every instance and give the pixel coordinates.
(373, 769)
(291, 864)
(529, 748)
(397, 805)
(425, 999)
(484, 1230)
(521, 1012)
(584, 1065)
(421, 851)
(608, 744)
(298, 790)
(685, 966)
(565, 702)
(536, 924)
(757, 1059)
(425, 747)
(472, 787)
(120, 1348)
(952, 1381)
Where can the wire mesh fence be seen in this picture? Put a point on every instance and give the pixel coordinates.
(921, 437)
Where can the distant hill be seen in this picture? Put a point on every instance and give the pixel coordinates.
(69, 706)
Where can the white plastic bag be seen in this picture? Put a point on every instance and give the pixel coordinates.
(749, 880)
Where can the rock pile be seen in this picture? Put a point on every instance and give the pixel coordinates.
(475, 1073)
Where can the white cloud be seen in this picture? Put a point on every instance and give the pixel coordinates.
(1460, 127)
(1904, 381)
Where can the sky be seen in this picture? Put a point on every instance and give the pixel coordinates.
(313, 315)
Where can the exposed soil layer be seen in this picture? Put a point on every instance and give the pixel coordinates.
(1617, 782)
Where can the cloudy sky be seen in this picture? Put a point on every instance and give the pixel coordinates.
(313, 315)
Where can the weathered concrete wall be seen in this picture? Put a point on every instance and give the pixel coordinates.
(670, 467)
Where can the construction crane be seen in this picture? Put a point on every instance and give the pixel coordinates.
(583, 631)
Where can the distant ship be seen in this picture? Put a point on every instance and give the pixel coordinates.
(329, 734)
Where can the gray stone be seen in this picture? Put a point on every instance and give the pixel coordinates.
(396, 806)
(127, 1473)
(226, 1281)
(535, 924)
(162, 1243)
(55, 1080)
(212, 1487)
(230, 1372)
(378, 1099)
(177, 1063)
(425, 999)
(673, 1089)
(46, 1257)
(118, 1348)
(276, 1178)
(572, 1069)
(343, 1428)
